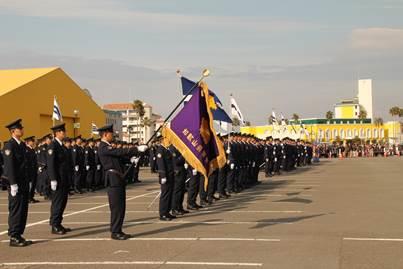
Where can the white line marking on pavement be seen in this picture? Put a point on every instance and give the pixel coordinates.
(180, 222)
(81, 211)
(229, 264)
(373, 239)
(156, 239)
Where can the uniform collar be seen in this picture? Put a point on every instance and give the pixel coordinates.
(109, 144)
(17, 140)
(60, 142)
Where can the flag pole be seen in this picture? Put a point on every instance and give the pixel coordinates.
(205, 74)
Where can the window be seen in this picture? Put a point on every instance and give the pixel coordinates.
(349, 133)
(335, 133)
(369, 135)
(355, 133)
(342, 133)
(362, 133)
(328, 134)
(375, 133)
(381, 133)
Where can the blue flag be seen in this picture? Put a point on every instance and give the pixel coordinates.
(219, 113)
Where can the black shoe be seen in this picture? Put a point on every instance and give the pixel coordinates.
(177, 213)
(120, 236)
(183, 211)
(224, 196)
(203, 203)
(192, 207)
(78, 191)
(216, 198)
(33, 201)
(137, 181)
(67, 230)
(19, 241)
(166, 217)
(210, 201)
(59, 230)
(171, 216)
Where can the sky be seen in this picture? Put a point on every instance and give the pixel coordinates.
(289, 56)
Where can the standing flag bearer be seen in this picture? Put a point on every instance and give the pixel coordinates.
(17, 185)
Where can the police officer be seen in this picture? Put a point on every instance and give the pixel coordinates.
(31, 166)
(166, 180)
(58, 170)
(114, 178)
(43, 178)
(89, 163)
(17, 183)
(179, 184)
(78, 163)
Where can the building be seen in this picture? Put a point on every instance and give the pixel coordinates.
(324, 130)
(135, 128)
(115, 118)
(28, 94)
(350, 109)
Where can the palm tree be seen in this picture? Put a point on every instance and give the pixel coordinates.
(295, 117)
(378, 122)
(270, 119)
(138, 107)
(394, 111)
(247, 123)
(401, 113)
(235, 121)
(363, 113)
(146, 122)
(329, 115)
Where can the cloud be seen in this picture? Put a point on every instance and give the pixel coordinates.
(377, 39)
(115, 13)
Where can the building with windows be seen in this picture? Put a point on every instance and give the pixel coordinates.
(115, 118)
(134, 127)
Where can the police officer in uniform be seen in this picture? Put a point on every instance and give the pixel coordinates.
(89, 163)
(58, 170)
(18, 185)
(114, 178)
(31, 166)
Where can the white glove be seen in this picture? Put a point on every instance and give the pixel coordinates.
(40, 169)
(142, 148)
(98, 167)
(53, 185)
(132, 159)
(275, 159)
(228, 161)
(154, 158)
(267, 159)
(163, 180)
(232, 166)
(194, 172)
(30, 186)
(186, 166)
(87, 167)
(14, 190)
(76, 168)
(253, 164)
(228, 151)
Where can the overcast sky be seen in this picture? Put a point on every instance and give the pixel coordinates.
(292, 56)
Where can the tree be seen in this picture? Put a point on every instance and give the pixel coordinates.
(401, 113)
(247, 123)
(270, 119)
(138, 107)
(295, 117)
(363, 113)
(378, 122)
(235, 121)
(329, 115)
(147, 123)
(395, 111)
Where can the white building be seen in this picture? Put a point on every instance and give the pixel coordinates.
(365, 96)
(133, 127)
(115, 118)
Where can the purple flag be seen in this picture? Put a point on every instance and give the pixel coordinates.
(192, 133)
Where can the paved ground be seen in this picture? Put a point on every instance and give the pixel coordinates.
(339, 214)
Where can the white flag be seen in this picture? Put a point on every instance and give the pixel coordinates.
(57, 114)
(94, 129)
(236, 112)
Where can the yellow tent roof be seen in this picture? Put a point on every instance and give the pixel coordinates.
(13, 79)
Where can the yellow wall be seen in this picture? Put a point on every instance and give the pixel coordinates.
(33, 103)
(347, 112)
(318, 131)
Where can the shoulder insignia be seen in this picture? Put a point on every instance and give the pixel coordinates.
(50, 151)
(159, 155)
(7, 152)
(174, 154)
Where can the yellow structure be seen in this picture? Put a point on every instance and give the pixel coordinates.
(323, 130)
(28, 94)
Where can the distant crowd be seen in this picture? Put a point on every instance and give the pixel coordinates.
(354, 150)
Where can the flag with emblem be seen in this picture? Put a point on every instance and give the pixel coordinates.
(192, 133)
(236, 112)
(57, 114)
(219, 113)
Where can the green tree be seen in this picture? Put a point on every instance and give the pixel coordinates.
(363, 113)
(235, 121)
(378, 122)
(295, 117)
(147, 123)
(247, 123)
(329, 115)
(395, 111)
(138, 107)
